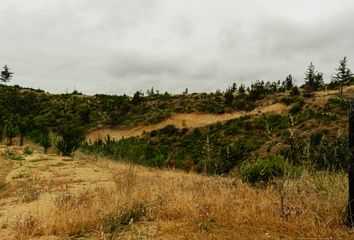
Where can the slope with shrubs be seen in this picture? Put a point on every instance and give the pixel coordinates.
(313, 135)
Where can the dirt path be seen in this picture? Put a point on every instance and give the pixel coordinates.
(190, 120)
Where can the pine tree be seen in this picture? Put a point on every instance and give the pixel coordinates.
(288, 83)
(6, 75)
(229, 97)
(343, 74)
(241, 89)
(313, 79)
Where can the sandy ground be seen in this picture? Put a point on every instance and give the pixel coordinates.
(191, 120)
(33, 183)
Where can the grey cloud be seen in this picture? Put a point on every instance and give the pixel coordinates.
(283, 37)
(120, 46)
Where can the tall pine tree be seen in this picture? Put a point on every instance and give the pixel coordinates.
(313, 79)
(6, 75)
(343, 74)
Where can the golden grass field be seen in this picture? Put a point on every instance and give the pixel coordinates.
(52, 197)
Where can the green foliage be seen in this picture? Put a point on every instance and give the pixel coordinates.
(44, 140)
(313, 79)
(169, 130)
(71, 138)
(10, 132)
(12, 155)
(229, 97)
(6, 75)
(294, 91)
(288, 83)
(264, 170)
(343, 75)
(297, 107)
(22, 128)
(134, 150)
(320, 151)
(290, 100)
(210, 150)
(337, 105)
(27, 151)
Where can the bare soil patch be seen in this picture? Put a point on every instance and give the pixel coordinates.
(190, 120)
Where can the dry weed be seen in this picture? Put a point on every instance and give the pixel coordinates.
(27, 225)
(187, 205)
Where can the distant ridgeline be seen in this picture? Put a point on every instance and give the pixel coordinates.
(27, 110)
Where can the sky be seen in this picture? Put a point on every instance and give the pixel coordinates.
(121, 46)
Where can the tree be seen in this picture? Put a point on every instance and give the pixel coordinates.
(313, 79)
(343, 74)
(137, 98)
(288, 83)
(294, 91)
(10, 132)
(6, 75)
(45, 140)
(229, 97)
(71, 138)
(22, 128)
(241, 89)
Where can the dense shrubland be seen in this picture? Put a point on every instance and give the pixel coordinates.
(307, 137)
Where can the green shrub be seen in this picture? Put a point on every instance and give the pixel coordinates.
(12, 155)
(297, 107)
(295, 91)
(70, 141)
(289, 100)
(308, 94)
(264, 170)
(27, 151)
(169, 130)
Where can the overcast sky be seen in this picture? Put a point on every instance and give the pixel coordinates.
(120, 46)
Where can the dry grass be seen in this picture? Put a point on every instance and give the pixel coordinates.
(142, 203)
(125, 201)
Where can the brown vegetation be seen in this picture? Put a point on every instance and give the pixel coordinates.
(108, 200)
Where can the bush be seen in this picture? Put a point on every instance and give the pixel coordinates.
(12, 155)
(264, 170)
(169, 130)
(297, 107)
(295, 91)
(308, 94)
(27, 151)
(70, 140)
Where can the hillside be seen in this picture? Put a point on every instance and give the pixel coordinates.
(216, 132)
(271, 165)
(183, 120)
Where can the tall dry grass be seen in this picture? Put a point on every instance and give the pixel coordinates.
(149, 203)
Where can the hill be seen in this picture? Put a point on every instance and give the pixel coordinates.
(216, 132)
(271, 161)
